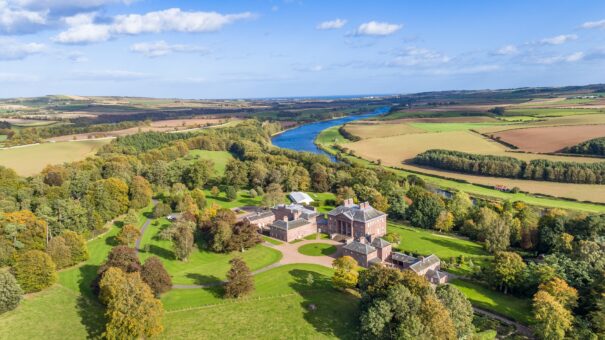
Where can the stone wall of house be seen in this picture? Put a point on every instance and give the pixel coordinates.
(384, 253)
(361, 259)
(376, 227)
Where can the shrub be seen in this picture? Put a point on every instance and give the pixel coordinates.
(231, 193)
(10, 292)
(35, 270)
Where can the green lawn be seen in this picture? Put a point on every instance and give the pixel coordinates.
(278, 308)
(445, 246)
(243, 199)
(448, 184)
(321, 198)
(272, 240)
(317, 249)
(203, 266)
(506, 305)
(322, 236)
(220, 158)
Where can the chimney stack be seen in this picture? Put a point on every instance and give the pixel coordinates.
(348, 202)
(364, 205)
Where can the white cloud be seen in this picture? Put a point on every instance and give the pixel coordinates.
(109, 75)
(375, 28)
(83, 28)
(568, 58)
(594, 24)
(66, 6)
(464, 70)
(507, 50)
(331, 25)
(16, 20)
(414, 56)
(174, 20)
(161, 48)
(14, 50)
(559, 39)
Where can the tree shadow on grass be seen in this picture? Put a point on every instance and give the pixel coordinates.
(88, 273)
(200, 279)
(329, 311)
(112, 241)
(161, 252)
(456, 246)
(148, 214)
(92, 316)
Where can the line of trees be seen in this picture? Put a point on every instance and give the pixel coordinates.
(595, 147)
(502, 166)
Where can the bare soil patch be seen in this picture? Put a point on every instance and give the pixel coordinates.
(550, 139)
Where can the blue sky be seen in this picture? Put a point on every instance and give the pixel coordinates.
(275, 48)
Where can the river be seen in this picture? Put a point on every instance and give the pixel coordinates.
(302, 138)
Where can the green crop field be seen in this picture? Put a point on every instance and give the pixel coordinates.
(30, 160)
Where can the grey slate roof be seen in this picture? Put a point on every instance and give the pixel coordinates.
(425, 263)
(380, 243)
(304, 212)
(289, 225)
(406, 259)
(355, 213)
(360, 248)
(259, 215)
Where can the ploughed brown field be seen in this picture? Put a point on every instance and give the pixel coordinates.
(550, 139)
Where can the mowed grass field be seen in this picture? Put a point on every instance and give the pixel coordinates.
(30, 160)
(326, 141)
(220, 158)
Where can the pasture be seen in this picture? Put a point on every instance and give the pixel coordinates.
(220, 158)
(550, 139)
(31, 159)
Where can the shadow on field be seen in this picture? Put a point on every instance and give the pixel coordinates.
(161, 252)
(88, 274)
(329, 311)
(92, 317)
(200, 279)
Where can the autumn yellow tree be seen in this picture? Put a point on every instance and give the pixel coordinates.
(128, 235)
(346, 272)
(553, 320)
(561, 291)
(132, 310)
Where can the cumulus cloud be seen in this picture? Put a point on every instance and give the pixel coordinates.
(414, 56)
(375, 28)
(162, 48)
(331, 25)
(15, 20)
(594, 24)
(559, 39)
(14, 50)
(464, 70)
(83, 28)
(109, 75)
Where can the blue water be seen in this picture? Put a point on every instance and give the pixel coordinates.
(302, 137)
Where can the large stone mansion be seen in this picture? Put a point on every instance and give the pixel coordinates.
(360, 226)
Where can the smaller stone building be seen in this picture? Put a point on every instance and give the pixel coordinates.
(366, 253)
(261, 218)
(429, 267)
(293, 221)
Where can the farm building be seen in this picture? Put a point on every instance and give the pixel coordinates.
(300, 197)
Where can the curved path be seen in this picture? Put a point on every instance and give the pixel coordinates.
(137, 244)
(290, 255)
(521, 329)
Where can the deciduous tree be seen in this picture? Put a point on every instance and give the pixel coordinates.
(59, 252)
(128, 235)
(461, 310)
(182, 241)
(132, 310)
(35, 270)
(553, 320)
(156, 276)
(239, 279)
(346, 272)
(140, 192)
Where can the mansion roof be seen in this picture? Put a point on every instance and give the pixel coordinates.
(356, 212)
(360, 248)
(289, 225)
